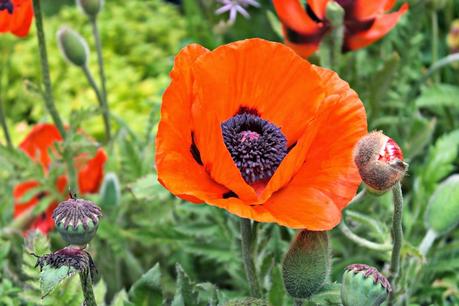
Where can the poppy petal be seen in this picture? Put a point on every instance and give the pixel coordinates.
(239, 208)
(328, 179)
(389, 4)
(303, 45)
(39, 140)
(319, 7)
(293, 14)
(22, 20)
(364, 9)
(178, 170)
(381, 26)
(91, 175)
(235, 76)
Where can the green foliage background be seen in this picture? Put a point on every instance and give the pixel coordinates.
(152, 247)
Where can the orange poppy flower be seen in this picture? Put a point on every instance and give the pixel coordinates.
(37, 145)
(365, 22)
(253, 128)
(16, 16)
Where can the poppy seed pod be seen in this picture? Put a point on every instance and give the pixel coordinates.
(77, 220)
(73, 46)
(380, 161)
(364, 286)
(90, 7)
(306, 265)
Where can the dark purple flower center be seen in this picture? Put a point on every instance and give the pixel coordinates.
(6, 5)
(256, 146)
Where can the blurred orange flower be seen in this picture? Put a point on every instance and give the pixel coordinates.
(365, 22)
(37, 145)
(16, 16)
(253, 128)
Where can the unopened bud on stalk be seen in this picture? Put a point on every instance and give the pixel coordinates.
(90, 7)
(453, 37)
(77, 220)
(380, 162)
(364, 286)
(306, 266)
(73, 46)
(442, 214)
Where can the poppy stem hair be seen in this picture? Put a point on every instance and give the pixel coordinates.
(48, 93)
(246, 246)
(397, 232)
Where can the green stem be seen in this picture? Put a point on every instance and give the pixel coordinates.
(6, 132)
(427, 242)
(88, 292)
(49, 99)
(102, 105)
(48, 94)
(100, 61)
(397, 232)
(362, 241)
(251, 273)
(359, 197)
(434, 18)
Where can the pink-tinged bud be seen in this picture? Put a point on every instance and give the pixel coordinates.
(380, 161)
(453, 37)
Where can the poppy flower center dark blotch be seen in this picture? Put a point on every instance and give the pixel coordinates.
(6, 5)
(256, 146)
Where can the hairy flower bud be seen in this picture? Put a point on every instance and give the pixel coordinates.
(306, 265)
(90, 7)
(73, 46)
(364, 286)
(380, 161)
(453, 37)
(77, 220)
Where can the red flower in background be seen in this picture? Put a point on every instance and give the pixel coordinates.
(37, 145)
(16, 16)
(365, 22)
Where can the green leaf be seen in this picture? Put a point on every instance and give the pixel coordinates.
(439, 95)
(185, 293)
(208, 292)
(276, 292)
(329, 295)
(100, 290)
(121, 299)
(147, 290)
(51, 277)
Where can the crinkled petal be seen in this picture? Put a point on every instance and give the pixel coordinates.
(293, 15)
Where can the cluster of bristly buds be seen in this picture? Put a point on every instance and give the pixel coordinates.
(380, 161)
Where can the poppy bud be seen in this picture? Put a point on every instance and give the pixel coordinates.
(90, 7)
(380, 161)
(77, 220)
(453, 37)
(442, 214)
(306, 267)
(73, 46)
(364, 286)
(247, 302)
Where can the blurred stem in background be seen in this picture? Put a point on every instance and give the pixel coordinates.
(397, 232)
(100, 61)
(247, 256)
(48, 94)
(3, 72)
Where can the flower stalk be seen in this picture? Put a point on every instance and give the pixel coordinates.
(397, 232)
(2, 111)
(249, 266)
(86, 285)
(48, 93)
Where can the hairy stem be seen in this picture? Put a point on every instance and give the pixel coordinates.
(48, 93)
(100, 61)
(397, 232)
(102, 105)
(362, 241)
(246, 246)
(6, 132)
(86, 285)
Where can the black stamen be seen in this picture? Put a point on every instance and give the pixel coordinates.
(195, 151)
(256, 146)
